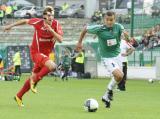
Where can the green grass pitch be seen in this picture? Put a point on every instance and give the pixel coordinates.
(64, 100)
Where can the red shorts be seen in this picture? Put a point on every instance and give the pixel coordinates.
(39, 60)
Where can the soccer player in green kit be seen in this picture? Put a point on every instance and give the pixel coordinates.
(109, 38)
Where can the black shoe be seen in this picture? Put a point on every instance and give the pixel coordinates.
(110, 95)
(107, 103)
(121, 89)
(62, 78)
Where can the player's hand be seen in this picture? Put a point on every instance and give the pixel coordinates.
(79, 46)
(49, 28)
(7, 28)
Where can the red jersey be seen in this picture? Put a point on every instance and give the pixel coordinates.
(43, 40)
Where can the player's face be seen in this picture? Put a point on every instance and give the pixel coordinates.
(48, 17)
(109, 20)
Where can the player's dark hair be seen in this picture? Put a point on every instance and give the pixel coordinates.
(110, 13)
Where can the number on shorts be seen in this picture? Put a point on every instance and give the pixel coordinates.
(113, 64)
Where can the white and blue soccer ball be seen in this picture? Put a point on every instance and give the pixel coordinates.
(91, 105)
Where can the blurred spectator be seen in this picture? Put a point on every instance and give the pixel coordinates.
(14, 7)
(66, 64)
(80, 63)
(129, 5)
(141, 58)
(97, 16)
(1, 16)
(17, 63)
(82, 7)
(151, 38)
(9, 11)
(3, 7)
(65, 6)
(1, 68)
(1, 63)
(73, 63)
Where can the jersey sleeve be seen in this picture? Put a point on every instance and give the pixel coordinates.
(34, 21)
(121, 28)
(93, 29)
(59, 29)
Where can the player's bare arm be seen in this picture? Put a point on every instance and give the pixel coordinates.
(128, 52)
(82, 35)
(20, 22)
(126, 35)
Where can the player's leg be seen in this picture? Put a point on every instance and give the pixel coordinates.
(48, 66)
(21, 92)
(66, 73)
(16, 69)
(25, 88)
(1, 21)
(45, 65)
(19, 70)
(117, 77)
(63, 76)
(114, 67)
(18, 74)
(108, 96)
(121, 85)
(125, 75)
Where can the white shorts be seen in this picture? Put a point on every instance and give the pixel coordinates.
(112, 63)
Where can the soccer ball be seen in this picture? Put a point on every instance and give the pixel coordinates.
(150, 80)
(91, 105)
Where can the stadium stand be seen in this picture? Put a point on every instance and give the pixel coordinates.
(71, 28)
(22, 35)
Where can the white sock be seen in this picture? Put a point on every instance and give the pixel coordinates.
(110, 86)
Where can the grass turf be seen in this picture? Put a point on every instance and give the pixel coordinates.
(64, 100)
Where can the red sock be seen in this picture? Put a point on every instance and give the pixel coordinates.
(24, 89)
(44, 71)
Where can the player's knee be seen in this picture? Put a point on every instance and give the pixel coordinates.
(118, 76)
(33, 77)
(52, 66)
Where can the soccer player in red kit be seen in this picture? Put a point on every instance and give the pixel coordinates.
(47, 32)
